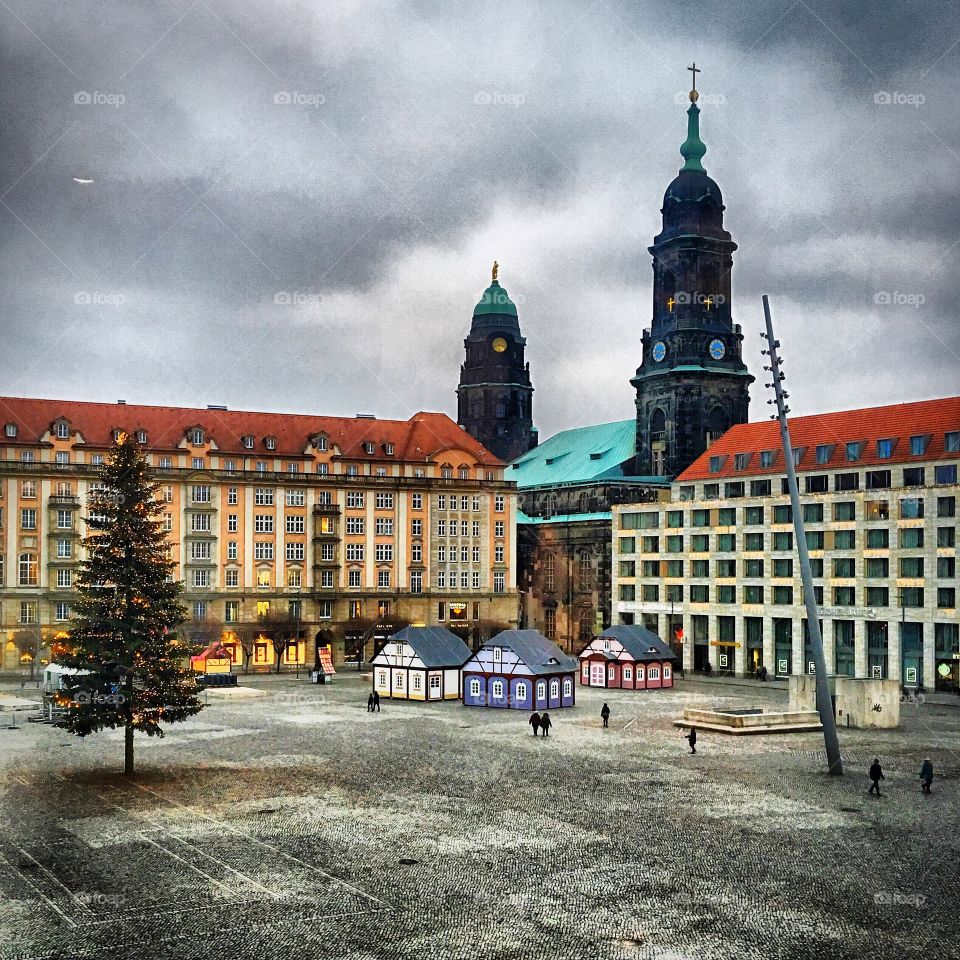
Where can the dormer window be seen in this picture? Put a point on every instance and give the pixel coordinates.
(853, 451)
(247, 441)
(368, 447)
(884, 449)
(320, 442)
(10, 430)
(270, 443)
(388, 449)
(196, 437)
(141, 436)
(115, 434)
(62, 430)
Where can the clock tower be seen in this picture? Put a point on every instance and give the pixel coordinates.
(692, 384)
(495, 396)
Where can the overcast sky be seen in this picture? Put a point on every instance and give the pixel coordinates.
(296, 204)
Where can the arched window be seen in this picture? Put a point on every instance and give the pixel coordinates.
(541, 690)
(586, 577)
(521, 691)
(567, 687)
(658, 425)
(28, 570)
(476, 406)
(716, 425)
(668, 289)
(554, 689)
(586, 624)
(500, 408)
(549, 572)
(496, 689)
(658, 442)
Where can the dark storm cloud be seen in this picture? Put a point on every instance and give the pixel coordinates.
(295, 207)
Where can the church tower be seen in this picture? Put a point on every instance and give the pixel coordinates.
(692, 384)
(495, 397)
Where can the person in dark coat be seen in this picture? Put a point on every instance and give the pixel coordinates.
(370, 703)
(763, 673)
(605, 714)
(926, 775)
(691, 738)
(376, 701)
(534, 722)
(707, 669)
(876, 775)
(546, 723)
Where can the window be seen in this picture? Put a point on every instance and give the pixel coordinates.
(674, 518)
(699, 593)
(354, 499)
(355, 526)
(914, 477)
(383, 526)
(783, 567)
(783, 541)
(911, 538)
(201, 578)
(727, 517)
(294, 551)
(845, 510)
(294, 523)
(814, 539)
(753, 568)
(911, 567)
(28, 519)
(711, 491)
(760, 488)
(10, 429)
(853, 450)
(844, 567)
(64, 579)
(783, 596)
(946, 537)
(200, 550)
(726, 542)
(262, 550)
(911, 597)
(878, 597)
(878, 539)
(782, 513)
(845, 540)
(383, 552)
(263, 523)
(28, 611)
(263, 496)
(354, 578)
(946, 567)
(232, 579)
(816, 483)
(885, 449)
(878, 479)
(498, 503)
(945, 474)
(384, 501)
(951, 441)
(767, 458)
(726, 593)
(876, 510)
(753, 541)
(355, 552)
(947, 598)
(498, 529)
(753, 593)
(846, 481)
(499, 582)
(813, 513)
(27, 574)
(946, 506)
(700, 543)
(844, 596)
(911, 508)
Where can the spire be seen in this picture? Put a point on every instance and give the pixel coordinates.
(693, 148)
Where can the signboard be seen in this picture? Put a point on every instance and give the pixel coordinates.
(911, 675)
(722, 659)
(782, 666)
(457, 612)
(811, 667)
(724, 643)
(326, 661)
(876, 671)
(217, 665)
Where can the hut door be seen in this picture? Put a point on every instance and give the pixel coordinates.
(597, 674)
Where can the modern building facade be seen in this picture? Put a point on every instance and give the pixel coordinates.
(716, 568)
(692, 383)
(495, 395)
(325, 522)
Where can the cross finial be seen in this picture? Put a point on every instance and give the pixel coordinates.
(694, 69)
(496, 267)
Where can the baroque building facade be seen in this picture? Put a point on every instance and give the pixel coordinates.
(329, 522)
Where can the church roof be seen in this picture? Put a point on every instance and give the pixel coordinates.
(495, 300)
(848, 439)
(582, 454)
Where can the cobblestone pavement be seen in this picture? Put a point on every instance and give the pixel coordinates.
(293, 823)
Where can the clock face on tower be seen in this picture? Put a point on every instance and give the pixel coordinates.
(659, 351)
(717, 349)
(499, 345)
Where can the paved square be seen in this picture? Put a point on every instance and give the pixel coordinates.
(294, 823)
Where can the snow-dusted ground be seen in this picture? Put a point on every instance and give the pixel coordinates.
(295, 824)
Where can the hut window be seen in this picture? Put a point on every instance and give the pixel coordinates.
(497, 689)
(474, 688)
(521, 691)
(417, 681)
(666, 671)
(554, 688)
(498, 654)
(541, 689)
(567, 687)
(628, 673)
(654, 673)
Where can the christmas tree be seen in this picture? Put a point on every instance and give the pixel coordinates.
(123, 635)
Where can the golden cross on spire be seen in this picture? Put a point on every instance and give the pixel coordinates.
(693, 90)
(670, 304)
(496, 267)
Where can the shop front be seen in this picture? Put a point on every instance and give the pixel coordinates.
(946, 643)
(877, 650)
(911, 652)
(783, 645)
(843, 648)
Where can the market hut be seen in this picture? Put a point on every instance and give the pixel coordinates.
(420, 663)
(627, 657)
(520, 670)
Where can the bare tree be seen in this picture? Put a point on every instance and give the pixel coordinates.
(281, 630)
(247, 635)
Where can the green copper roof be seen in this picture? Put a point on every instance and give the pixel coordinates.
(495, 300)
(577, 456)
(564, 517)
(693, 148)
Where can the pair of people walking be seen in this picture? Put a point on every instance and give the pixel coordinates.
(541, 721)
(876, 775)
(373, 702)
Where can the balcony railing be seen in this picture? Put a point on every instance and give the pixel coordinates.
(64, 500)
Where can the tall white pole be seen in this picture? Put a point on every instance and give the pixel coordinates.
(824, 703)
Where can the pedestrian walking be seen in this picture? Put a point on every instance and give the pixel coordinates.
(534, 722)
(376, 701)
(546, 723)
(370, 703)
(605, 714)
(763, 674)
(876, 775)
(926, 774)
(691, 738)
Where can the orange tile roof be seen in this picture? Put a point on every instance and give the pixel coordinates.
(898, 422)
(425, 436)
